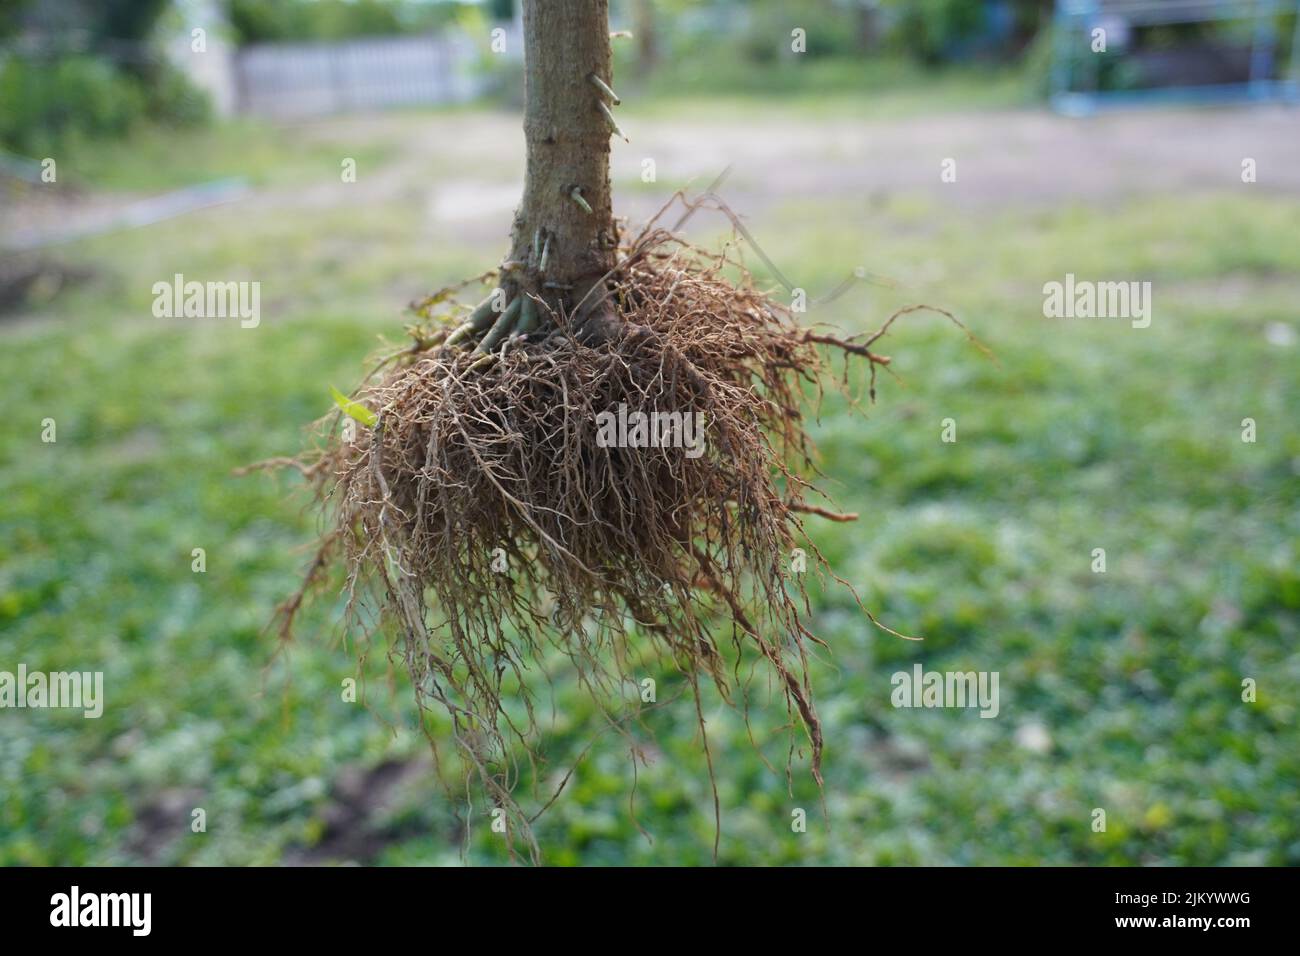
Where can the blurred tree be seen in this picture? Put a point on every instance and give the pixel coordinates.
(930, 29)
(87, 69)
(130, 20)
(9, 17)
(118, 27)
(868, 27)
(268, 21)
(647, 36)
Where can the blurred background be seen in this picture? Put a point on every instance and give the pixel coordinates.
(962, 153)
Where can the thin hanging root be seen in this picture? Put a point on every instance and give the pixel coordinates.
(478, 320)
(824, 512)
(613, 123)
(576, 195)
(537, 244)
(604, 88)
(502, 325)
(546, 252)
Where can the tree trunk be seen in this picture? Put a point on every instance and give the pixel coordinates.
(647, 38)
(565, 240)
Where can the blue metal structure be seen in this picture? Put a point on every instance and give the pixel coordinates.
(1076, 68)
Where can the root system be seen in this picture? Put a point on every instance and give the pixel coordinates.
(484, 513)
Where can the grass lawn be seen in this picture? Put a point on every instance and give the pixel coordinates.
(1119, 690)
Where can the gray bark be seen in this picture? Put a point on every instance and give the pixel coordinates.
(568, 139)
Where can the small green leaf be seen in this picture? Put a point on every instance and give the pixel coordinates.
(354, 409)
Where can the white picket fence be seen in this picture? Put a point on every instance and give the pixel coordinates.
(289, 80)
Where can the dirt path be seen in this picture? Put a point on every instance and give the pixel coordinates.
(1007, 158)
(1001, 159)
